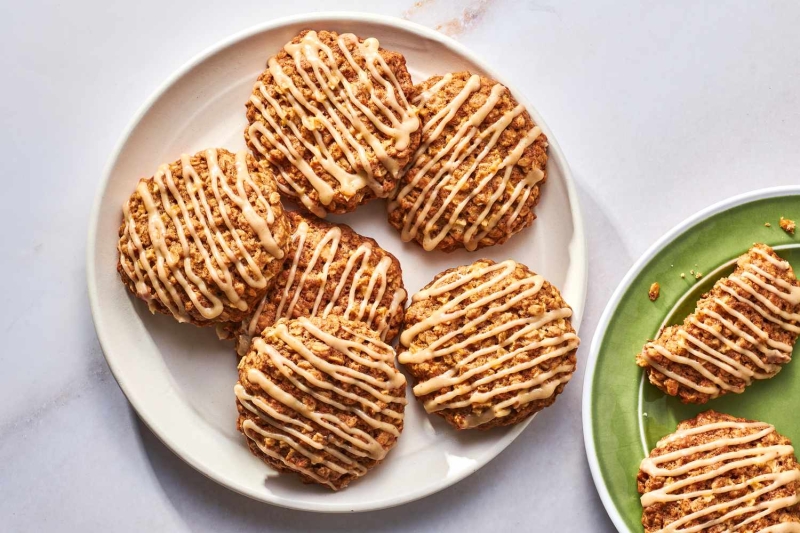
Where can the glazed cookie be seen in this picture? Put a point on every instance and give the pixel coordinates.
(489, 344)
(476, 177)
(203, 238)
(331, 114)
(331, 270)
(743, 329)
(720, 473)
(321, 398)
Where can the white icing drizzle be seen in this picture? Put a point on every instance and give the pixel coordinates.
(723, 462)
(473, 138)
(194, 221)
(773, 351)
(783, 527)
(464, 391)
(366, 292)
(334, 107)
(346, 444)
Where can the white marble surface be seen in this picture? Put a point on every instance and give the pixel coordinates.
(661, 109)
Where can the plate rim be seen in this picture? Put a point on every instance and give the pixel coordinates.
(602, 325)
(578, 246)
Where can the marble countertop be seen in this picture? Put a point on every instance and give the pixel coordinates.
(661, 109)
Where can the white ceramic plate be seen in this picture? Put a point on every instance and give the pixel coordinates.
(180, 378)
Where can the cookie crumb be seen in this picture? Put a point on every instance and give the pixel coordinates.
(698, 275)
(655, 290)
(767, 224)
(691, 272)
(683, 276)
(788, 225)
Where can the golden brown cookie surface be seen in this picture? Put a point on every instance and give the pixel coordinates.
(321, 398)
(203, 238)
(476, 177)
(489, 344)
(742, 330)
(331, 114)
(721, 473)
(331, 270)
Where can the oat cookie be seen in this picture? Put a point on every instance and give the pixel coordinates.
(489, 344)
(203, 238)
(742, 330)
(721, 473)
(321, 398)
(476, 177)
(331, 270)
(331, 115)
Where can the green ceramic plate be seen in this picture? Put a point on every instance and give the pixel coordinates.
(623, 416)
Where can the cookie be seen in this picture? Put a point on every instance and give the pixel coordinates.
(476, 177)
(489, 344)
(721, 473)
(331, 114)
(742, 330)
(321, 398)
(204, 238)
(331, 270)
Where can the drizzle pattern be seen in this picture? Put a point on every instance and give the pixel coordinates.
(202, 222)
(325, 127)
(749, 350)
(335, 391)
(351, 283)
(465, 170)
(482, 371)
(722, 454)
